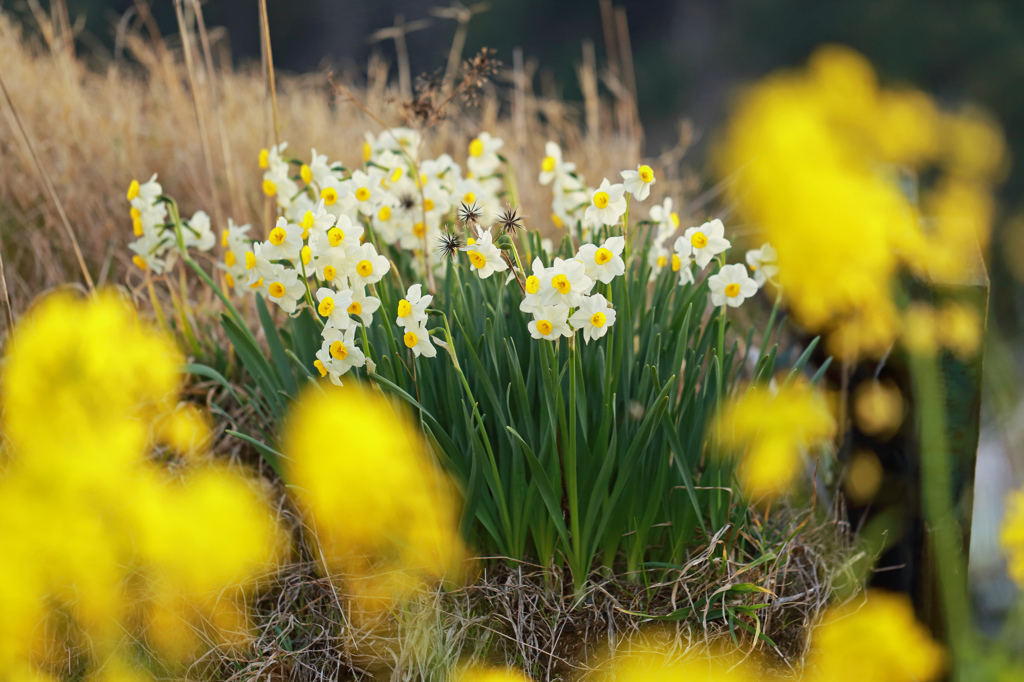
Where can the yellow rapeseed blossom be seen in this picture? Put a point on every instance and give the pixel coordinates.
(395, 527)
(877, 640)
(773, 431)
(90, 525)
(819, 160)
(655, 663)
(1011, 536)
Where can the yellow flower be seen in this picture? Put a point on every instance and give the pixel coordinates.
(875, 641)
(90, 524)
(395, 528)
(774, 430)
(1011, 536)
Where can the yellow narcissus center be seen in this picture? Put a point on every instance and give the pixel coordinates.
(223, 235)
(277, 236)
(306, 224)
(396, 174)
(477, 259)
(676, 263)
(269, 188)
(559, 223)
(469, 198)
(548, 164)
(476, 147)
(329, 195)
(329, 272)
(428, 204)
(598, 319)
(326, 306)
(532, 284)
(544, 327)
(137, 225)
(732, 290)
(662, 261)
(470, 241)
(601, 199)
(335, 236)
(320, 368)
(133, 189)
(229, 279)
(339, 351)
(603, 256)
(384, 213)
(257, 284)
(229, 258)
(367, 151)
(306, 174)
(276, 289)
(250, 260)
(675, 219)
(364, 268)
(307, 255)
(363, 193)
(264, 158)
(561, 282)
(140, 262)
(420, 230)
(646, 174)
(698, 240)
(410, 339)
(356, 308)
(404, 308)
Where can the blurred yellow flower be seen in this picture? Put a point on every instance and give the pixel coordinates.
(774, 431)
(655, 663)
(877, 640)
(1011, 536)
(395, 527)
(90, 525)
(878, 408)
(824, 161)
(863, 477)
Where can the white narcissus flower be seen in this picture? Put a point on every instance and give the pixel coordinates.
(363, 306)
(483, 154)
(682, 266)
(658, 258)
(666, 219)
(412, 310)
(603, 263)
(567, 282)
(198, 234)
(552, 167)
(333, 306)
(703, 243)
(338, 353)
(762, 262)
(319, 168)
(593, 317)
(365, 189)
(484, 256)
(731, 286)
(638, 182)
(284, 241)
(257, 266)
(417, 339)
(607, 204)
(369, 266)
(284, 287)
(535, 284)
(550, 322)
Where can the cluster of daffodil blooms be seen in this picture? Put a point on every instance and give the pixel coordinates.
(333, 220)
